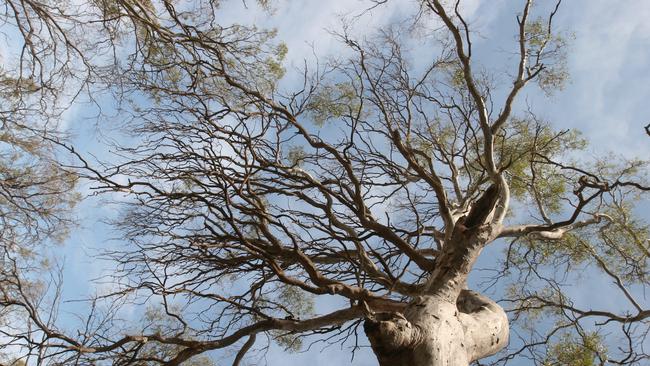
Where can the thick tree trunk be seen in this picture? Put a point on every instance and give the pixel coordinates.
(436, 332)
(449, 325)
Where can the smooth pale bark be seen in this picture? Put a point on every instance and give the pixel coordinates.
(448, 325)
(435, 332)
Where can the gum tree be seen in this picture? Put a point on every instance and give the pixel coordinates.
(376, 182)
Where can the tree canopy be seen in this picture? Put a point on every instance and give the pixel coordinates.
(262, 204)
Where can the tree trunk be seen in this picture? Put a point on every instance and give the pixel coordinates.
(436, 332)
(449, 325)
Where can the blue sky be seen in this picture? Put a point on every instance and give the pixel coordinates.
(607, 98)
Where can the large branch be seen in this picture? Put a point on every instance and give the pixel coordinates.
(550, 231)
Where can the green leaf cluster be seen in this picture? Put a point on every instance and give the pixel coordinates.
(333, 101)
(548, 51)
(520, 149)
(298, 304)
(575, 351)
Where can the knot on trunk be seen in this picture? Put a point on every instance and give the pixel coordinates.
(391, 331)
(392, 337)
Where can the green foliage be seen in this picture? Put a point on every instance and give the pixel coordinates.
(618, 242)
(297, 301)
(298, 305)
(548, 51)
(438, 135)
(158, 322)
(295, 156)
(457, 77)
(274, 61)
(110, 9)
(553, 79)
(290, 342)
(13, 88)
(519, 150)
(37, 194)
(168, 68)
(40, 194)
(333, 101)
(573, 351)
(622, 243)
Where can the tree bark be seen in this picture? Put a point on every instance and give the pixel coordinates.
(435, 332)
(449, 325)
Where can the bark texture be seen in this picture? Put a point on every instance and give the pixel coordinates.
(449, 325)
(435, 332)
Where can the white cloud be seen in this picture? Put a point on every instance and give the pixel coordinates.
(609, 66)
